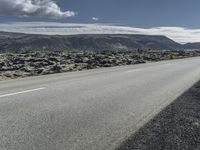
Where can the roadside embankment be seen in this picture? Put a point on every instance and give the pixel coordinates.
(177, 127)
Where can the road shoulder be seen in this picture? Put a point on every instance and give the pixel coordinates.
(177, 127)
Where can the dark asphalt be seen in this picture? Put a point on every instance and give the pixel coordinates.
(177, 127)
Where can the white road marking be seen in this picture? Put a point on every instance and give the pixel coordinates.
(22, 92)
(134, 70)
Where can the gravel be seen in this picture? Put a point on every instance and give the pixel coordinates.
(177, 127)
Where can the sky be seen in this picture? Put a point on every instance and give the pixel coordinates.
(177, 19)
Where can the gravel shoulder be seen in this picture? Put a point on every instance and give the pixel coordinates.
(177, 127)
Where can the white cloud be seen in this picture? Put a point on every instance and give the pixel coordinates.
(32, 8)
(95, 19)
(179, 34)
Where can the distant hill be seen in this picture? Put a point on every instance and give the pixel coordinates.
(95, 42)
(192, 46)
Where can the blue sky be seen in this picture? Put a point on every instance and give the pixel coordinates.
(177, 19)
(138, 13)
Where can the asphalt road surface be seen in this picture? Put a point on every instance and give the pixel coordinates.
(90, 110)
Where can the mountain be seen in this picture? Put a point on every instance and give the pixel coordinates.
(192, 45)
(97, 42)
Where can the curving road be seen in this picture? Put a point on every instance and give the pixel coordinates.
(90, 110)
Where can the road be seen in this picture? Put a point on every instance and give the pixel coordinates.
(90, 110)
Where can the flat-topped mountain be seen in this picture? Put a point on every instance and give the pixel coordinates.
(93, 42)
(19, 41)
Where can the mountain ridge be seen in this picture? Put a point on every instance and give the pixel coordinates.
(10, 41)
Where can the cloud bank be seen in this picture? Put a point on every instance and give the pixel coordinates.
(179, 34)
(32, 8)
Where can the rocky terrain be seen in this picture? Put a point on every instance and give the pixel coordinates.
(24, 55)
(23, 64)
